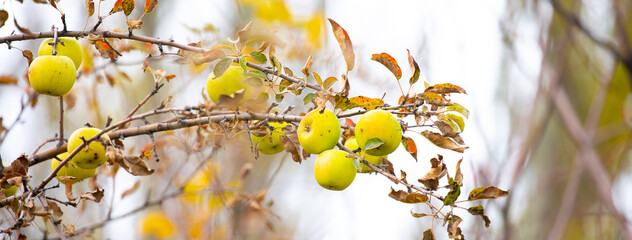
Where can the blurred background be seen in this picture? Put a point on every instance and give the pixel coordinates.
(548, 87)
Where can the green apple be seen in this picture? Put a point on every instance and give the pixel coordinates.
(52, 75)
(228, 83)
(382, 125)
(270, 143)
(352, 144)
(71, 48)
(70, 169)
(92, 156)
(334, 170)
(318, 131)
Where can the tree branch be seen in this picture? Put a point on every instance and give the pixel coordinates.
(589, 156)
(156, 41)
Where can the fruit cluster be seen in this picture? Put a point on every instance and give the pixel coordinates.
(55, 74)
(83, 164)
(377, 134)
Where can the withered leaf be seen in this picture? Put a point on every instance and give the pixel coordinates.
(443, 88)
(454, 231)
(90, 7)
(413, 67)
(487, 193)
(345, 43)
(69, 230)
(480, 211)
(105, 50)
(345, 86)
(135, 165)
(419, 215)
(437, 171)
(388, 62)
(307, 68)
(458, 176)
(291, 145)
(428, 235)
(388, 166)
(56, 210)
(20, 28)
(445, 127)
(405, 197)
(94, 196)
(131, 189)
(150, 5)
(134, 24)
(410, 146)
(68, 189)
(28, 55)
(366, 102)
(329, 82)
(209, 56)
(244, 34)
(442, 142)
(434, 99)
(233, 100)
(4, 15)
(127, 6)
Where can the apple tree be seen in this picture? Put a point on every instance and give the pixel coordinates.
(182, 147)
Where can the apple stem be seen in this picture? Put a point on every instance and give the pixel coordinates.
(61, 121)
(55, 39)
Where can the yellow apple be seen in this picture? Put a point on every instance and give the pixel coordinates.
(71, 48)
(92, 156)
(228, 83)
(334, 170)
(200, 180)
(156, 225)
(382, 125)
(52, 75)
(70, 169)
(352, 144)
(270, 143)
(318, 131)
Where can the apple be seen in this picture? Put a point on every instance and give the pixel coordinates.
(270, 143)
(382, 125)
(72, 170)
(71, 48)
(52, 75)
(200, 180)
(228, 83)
(318, 131)
(352, 144)
(91, 156)
(156, 225)
(334, 170)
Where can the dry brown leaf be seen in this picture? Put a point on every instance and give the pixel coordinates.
(442, 142)
(94, 196)
(131, 189)
(345, 43)
(437, 171)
